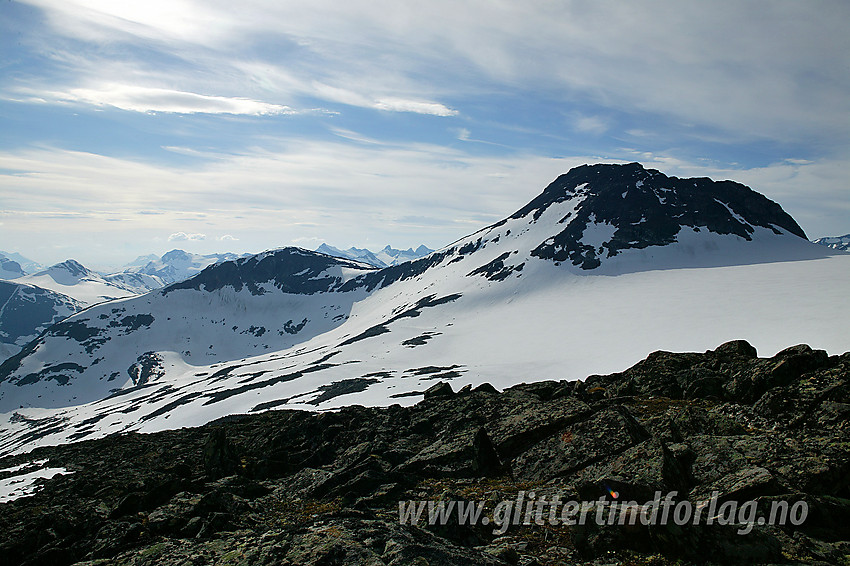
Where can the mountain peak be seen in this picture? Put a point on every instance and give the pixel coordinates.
(326, 249)
(617, 207)
(290, 269)
(175, 255)
(73, 267)
(10, 269)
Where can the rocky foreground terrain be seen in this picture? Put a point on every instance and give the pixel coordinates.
(290, 487)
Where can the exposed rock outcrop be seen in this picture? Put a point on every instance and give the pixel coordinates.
(290, 487)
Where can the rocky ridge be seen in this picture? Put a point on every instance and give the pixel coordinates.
(292, 487)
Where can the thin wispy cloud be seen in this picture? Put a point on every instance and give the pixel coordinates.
(590, 125)
(143, 99)
(416, 106)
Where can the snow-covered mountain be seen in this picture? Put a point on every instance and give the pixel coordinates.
(390, 256)
(140, 261)
(88, 287)
(10, 269)
(31, 303)
(355, 254)
(609, 263)
(836, 242)
(51, 294)
(26, 311)
(176, 265)
(385, 258)
(26, 264)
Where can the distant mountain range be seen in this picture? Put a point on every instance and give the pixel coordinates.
(176, 265)
(384, 258)
(73, 279)
(25, 264)
(837, 243)
(607, 264)
(44, 297)
(29, 303)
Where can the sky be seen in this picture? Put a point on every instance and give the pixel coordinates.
(129, 128)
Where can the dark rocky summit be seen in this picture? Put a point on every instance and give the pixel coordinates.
(648, 208)
(290, 487)
(292, 270)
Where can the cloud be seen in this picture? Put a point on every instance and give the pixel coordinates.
(227, 238)
(715, 65)
(307, 241)
(390, 104)
(590, 125)
(293, 188)
(184, 237)
(544, 79)
(161, 20)
(143, 99)
(416, 106)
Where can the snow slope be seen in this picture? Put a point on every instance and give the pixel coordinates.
(575, 283)
(26, 311)
(23, 480)
(87, 287)
(31, 303)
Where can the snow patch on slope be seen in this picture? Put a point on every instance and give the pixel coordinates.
(24, 479)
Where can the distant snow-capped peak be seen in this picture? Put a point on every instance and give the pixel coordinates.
(27, 265)
(69, 272)
(386, 257)
(10, 269)
(85, 286)
(177, 265)
(841, 243)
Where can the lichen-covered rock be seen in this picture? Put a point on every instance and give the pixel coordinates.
(606, 434)
(293, 488)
